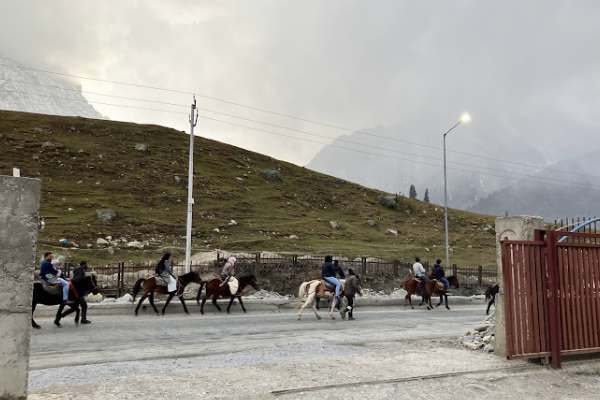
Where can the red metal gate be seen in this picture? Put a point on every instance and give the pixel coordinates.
(552, 295)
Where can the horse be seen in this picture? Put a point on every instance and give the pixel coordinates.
(215, 289)
(150, 287)
(78, 289)
(429, 289)
(490, 294)
(313, 291)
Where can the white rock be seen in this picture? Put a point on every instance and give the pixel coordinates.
(392, 232)
(135, 244)
(293, 237)
(217, 230)
(94, 298)
(101, 242)
(334, 224)
(233, 222)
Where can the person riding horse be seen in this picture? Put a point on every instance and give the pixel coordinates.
(330, 272)
(420, 274)
(52, 276)
(165, 272)
(228, 270)
(439, 274)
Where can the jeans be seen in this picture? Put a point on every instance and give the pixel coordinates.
(65, 288)
(445, 282)
(334, 281)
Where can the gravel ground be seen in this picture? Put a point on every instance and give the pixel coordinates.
(249, 356)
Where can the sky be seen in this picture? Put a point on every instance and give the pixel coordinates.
(528, 70)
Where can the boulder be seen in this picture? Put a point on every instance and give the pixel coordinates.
(294, 237)
(233, 222)
(392, 232)
(101, 242)
(372, 223)
(134, 244)
(334, 225)
(177, 179)
(389, 201)
(106, 214)
(272, 175)
(141, 147)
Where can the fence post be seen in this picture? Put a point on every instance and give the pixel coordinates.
(364, 266)
(454, 270)
(552, 305)
(480, 275)
(119, 279)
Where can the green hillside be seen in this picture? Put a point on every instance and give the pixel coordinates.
(87, 165)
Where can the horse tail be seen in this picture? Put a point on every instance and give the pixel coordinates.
(200, 291)
(137, 287)
(303, 290)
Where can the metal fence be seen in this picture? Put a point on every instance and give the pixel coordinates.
(284, 272)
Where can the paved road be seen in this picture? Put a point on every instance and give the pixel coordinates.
(249, 356)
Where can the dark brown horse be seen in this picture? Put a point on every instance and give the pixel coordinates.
(430, 289)
(150, 288)
(215, 289)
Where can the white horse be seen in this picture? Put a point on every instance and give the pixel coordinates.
(312, 290)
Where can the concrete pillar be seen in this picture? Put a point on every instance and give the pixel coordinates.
(512, 228)
(19, 203)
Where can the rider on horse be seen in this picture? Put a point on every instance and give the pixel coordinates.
(420, 274)
(51, 275)
(228, 270)
(329, 273)
(164, 271)
(439, 274)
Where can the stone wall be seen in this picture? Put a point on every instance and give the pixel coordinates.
(19, 202)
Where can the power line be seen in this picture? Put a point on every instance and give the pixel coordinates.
(263, 110)
(279, 134)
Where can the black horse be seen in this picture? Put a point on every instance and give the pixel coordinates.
(214, 290)
(490, 295)
(77, 292)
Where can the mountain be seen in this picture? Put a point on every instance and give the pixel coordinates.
(388, 159)
(128, 181)
(26, 90)
(566, 189)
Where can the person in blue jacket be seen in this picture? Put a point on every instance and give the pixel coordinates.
(51, 275)
(439, 274)
(330, 272)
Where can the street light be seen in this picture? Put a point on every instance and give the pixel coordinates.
(464, 119)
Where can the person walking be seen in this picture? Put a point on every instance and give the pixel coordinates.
(351, 289)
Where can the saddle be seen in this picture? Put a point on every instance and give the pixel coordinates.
(328, 287)
(439, 285)
(160, 281)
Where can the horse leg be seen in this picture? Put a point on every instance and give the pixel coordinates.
(242, 304)
(185, 309)
(167, 302)
(333, 303)
(318, 302)
(33, 323)
(303, 306)
(315, 309)
(214, 301)
(140, 303)
(230, 303)
(441, 300)
(151, 300)
(409, 298)
(58, 314)
(446, 301)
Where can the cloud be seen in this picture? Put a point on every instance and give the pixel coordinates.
(524, 69)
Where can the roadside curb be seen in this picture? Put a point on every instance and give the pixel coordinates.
(250, 304)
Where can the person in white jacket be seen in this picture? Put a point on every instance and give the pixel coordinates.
(420, 274)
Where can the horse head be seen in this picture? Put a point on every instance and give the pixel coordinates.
(453, 281)
(248, 280)
(191, 277)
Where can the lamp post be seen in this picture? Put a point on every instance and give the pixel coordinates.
(464, 119)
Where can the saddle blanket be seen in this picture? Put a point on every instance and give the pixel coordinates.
(233, 284)
(169, 282)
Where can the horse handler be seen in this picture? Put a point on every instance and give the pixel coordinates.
(351, 288)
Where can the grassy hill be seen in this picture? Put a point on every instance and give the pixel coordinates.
(86, 165)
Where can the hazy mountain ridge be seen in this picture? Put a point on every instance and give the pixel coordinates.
(37, 92)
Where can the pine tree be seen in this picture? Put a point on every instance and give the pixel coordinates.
(426, 197)
(413, 192)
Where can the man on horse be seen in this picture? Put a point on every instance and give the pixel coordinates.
(228, 270)
(439, 274)
(420, 274)
(52, 276)
(330, 272)
(165, 272)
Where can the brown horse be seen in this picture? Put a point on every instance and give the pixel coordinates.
(431, 288)
(150, 287)
(215, 289)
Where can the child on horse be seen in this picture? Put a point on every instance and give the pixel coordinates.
(52, 276)
(330, 272)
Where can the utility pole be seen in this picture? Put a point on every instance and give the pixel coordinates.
(190, 203)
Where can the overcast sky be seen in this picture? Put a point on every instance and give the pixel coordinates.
(528, 68)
